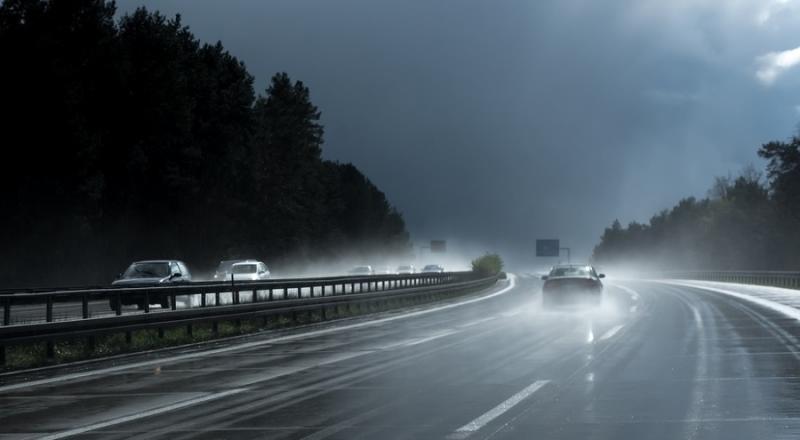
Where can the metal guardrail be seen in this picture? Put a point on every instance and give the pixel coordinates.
(785, 279)
(18, 290)
(261, 299)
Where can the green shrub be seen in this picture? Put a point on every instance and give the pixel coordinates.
(487, 265)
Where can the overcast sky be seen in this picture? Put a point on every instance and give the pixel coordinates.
(496, 122)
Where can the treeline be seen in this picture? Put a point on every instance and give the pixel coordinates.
(128, 138)
(746, 222)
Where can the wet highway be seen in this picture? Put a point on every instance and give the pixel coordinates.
(657, 361)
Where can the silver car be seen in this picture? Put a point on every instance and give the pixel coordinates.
(406, 270)
(223, 271)
(250, 270)
(433, 268)
(362, 270)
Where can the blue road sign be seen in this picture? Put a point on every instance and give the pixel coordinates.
(547, 248)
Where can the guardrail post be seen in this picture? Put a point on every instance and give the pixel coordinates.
(161, 332)
(7, 312)
(234, 296)
(2, 355)
(215, 327)
(173, 298)
(270, 293)
(189, 330)
(203, 299)
(85, 306)
(128, 337)
(147, 302)
(118, 304)
(216, 298)
(49, 309)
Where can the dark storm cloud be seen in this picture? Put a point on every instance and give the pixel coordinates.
(497, 122)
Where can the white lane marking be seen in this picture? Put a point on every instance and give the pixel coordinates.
(416, 341)
(286, 371)
(611, 332)
(498, 410)
(430, 338)
(243, 346)
(479, 321)
(511, 313)
(789, 311)
(143, 414)
(633, 294)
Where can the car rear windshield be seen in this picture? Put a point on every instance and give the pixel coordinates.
(571, 272)
(147, 270)
(245, 268)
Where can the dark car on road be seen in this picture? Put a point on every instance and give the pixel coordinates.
(148, 274)
(572, 284)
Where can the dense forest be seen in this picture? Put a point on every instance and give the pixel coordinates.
(747, 222)
(127, 138)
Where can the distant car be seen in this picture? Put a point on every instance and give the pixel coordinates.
(362, 270)
(572, 284)
(432, 268)
(406, 270)
(250, 270)
(223, 272)
(147, 274)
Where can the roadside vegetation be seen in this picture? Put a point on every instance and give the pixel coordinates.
(487, 265)
(749, 221)
(129, 139)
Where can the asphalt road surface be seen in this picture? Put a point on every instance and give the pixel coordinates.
(656, 361)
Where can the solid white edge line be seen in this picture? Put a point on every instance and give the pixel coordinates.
(498, 410)
(511, 284)
(611, 332)
(789, 311)
(141, 415)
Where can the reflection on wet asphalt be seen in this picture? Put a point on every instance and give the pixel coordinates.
(655, 361)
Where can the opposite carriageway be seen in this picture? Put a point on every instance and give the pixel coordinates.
(51, 316)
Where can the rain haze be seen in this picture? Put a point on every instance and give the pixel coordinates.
(493, 123)
(337, 219)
